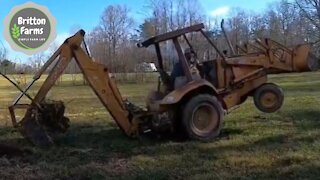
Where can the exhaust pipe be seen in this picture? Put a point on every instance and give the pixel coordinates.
(227, 38)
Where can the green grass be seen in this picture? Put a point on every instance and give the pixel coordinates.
(252, 145)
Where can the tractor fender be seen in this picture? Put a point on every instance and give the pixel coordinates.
(193, 87)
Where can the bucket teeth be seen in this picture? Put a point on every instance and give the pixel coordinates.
(42, 126)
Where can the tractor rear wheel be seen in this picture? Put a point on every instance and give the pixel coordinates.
(268, 98)
(202, 117)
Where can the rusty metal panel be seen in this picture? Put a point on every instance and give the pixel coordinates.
(176, 95)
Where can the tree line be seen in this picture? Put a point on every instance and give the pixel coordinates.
(113, 41)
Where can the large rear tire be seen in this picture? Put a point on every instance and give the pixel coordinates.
(202, 117)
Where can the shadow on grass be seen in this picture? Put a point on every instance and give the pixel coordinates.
(11, 136)
(227, 132)
(93, 146)
(109, 140)
(305, 119)
(288, 162)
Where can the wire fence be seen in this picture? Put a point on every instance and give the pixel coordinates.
(78, 79)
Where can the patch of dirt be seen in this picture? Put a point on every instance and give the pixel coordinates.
(41, 125)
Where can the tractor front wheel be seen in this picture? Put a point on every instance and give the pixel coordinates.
(268, 98)
(202, 117)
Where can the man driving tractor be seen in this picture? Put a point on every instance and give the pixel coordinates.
(177, 70)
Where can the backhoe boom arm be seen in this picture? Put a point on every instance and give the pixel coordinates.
(96, 74)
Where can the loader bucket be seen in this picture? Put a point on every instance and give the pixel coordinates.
(41, 126)
(304, 60)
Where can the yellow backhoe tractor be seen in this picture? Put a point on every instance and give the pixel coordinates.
(194, 103)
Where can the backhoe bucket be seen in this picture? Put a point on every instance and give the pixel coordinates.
(43, 125)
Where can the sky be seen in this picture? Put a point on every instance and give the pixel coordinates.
(85, 14)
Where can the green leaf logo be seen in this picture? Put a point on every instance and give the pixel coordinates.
(15, 31)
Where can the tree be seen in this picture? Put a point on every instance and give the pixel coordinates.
(311, 11)
(37, 60)
(147, 29)
(239, 25)
(3, 52)
(258, 25)
(7, 66)
(173, 14)
(115, 27)
(287, 16)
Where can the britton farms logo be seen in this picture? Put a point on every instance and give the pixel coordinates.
(29, 28)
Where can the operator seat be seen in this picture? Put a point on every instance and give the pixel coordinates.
(182, 80)
(209, 69)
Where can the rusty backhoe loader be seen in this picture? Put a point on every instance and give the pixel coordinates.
(194, 104)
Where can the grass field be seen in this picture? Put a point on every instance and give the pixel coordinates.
(252, 145)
